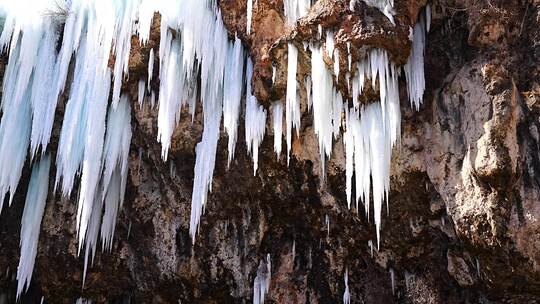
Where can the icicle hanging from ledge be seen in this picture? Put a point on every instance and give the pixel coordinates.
(233, 94)
(414, 69)
(292, 106)
(295, 9)
(277, 123)
(34, 207)
(255, 120)
(200, 55)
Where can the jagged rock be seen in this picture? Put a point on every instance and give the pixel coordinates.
(463, 220)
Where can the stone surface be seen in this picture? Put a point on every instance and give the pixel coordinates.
(463, 224)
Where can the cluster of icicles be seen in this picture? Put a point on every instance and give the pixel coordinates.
(200, 63)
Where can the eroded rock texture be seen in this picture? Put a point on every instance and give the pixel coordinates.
(463, 224)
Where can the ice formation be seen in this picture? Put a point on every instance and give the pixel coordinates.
(83, 301)
(115, 166)
(140, 92)
(261, 283)
(150, 68)
(31, 221)
(233, 93)
(199, 64)
(392, 280)
(346, 294)
(385, 6)
(249, 13)
(277, 124)
(327, 105)
(255, 120)
(294, 9)
(414, 68)
(292, 105)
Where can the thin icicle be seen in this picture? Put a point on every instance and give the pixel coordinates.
(125, 20)
(277, 123)
(249, 14)
(336, 63)
(414, 69)
(34, 207)
(292, 105)
(329, 43)
(428, 17)
(261, 284)
(392, 280)
(150, 68)
(255, 120)
(346, 294)
(90, 242)
(307, 84)
(232, 94)
(140, 92)
(327, 221)
(322, 104)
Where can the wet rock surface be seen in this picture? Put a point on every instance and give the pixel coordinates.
(463, 223)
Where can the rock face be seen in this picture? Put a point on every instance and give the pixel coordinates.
(463, 223)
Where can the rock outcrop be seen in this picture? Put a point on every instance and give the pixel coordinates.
(463, 219)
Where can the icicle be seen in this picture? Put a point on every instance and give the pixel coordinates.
(140, 92)
(372, 152)
(125, 20)
(428, 17)
(129, 230)
(90, 242)
(212, 70)
(327, 220)
(307, 84)
(150, 68)
(145, 14)
(232, 93)
(352, 4)
(14, 140)
(393, 280)
(322, 104)
(261, 284)
(385, 6)
(336, 63)
(34, 207)
(152, 99)
(330, 43)
(249, 13)
(346, 294)
(116, 153)
(337, 110)
(255, 120)
(277, 123)
(172, 79)
(43, 101)
(292, 106)
(295, 9)
(273, 74)
(293, 253)
(349, 56)
(26, 98)
(414, 68)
